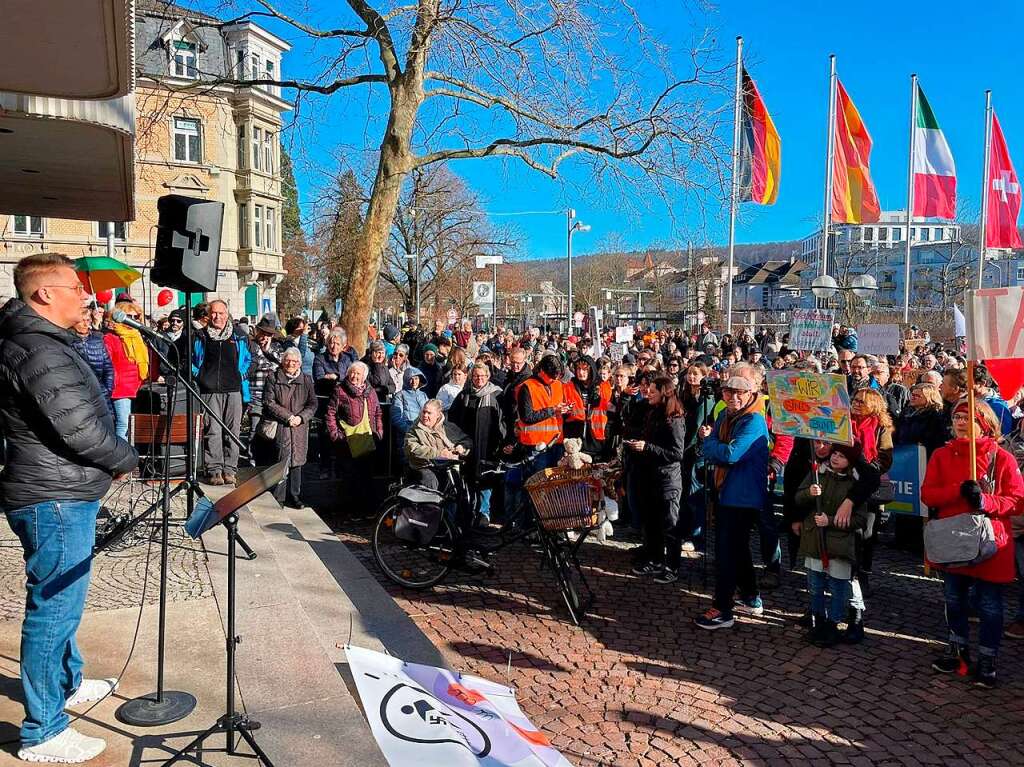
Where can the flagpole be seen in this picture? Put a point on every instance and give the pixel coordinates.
(910, 198)
(984, 188)
(829, 163)
(734, 187)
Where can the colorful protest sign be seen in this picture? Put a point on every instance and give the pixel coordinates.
(878, 339)
(995, 323)
(906, 475)
(813, 405)
(810, 330)
(432, 717)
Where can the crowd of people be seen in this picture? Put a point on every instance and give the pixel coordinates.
(685, 415)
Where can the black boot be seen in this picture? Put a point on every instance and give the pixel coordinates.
(854, 633)
(985, 671)
(956, 660)
(817, 626)
(829, 635)
(806, 620)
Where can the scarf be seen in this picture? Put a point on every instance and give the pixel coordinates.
(724, 432)
(865, 433)
(220, 335)
(134, 347)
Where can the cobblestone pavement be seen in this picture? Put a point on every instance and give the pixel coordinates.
(118, 574)
(639, 684)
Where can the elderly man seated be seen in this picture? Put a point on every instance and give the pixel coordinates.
(431, 439)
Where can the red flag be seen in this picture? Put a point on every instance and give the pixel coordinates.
(1003, 195)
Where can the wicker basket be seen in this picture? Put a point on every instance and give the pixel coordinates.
(566, 499)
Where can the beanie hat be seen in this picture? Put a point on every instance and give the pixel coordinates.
(429, 348)
(852, 453)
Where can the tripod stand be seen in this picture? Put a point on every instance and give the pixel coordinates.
(226, 511)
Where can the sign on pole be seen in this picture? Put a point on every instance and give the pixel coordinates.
(878, 339)
(812, 405)
(265, 306)
(483, 296)
(623, 334)
(432, 717)
(811, 330)
(482, 262)
(995, 323)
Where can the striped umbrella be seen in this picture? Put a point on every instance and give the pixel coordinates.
(104, 273)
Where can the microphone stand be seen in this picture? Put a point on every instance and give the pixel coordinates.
(167, 706)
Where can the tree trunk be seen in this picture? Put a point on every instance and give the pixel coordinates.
(394, 165)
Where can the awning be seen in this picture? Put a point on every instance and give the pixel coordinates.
(67, 159)
(73, 49)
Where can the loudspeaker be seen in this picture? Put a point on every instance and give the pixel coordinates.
(187, 243)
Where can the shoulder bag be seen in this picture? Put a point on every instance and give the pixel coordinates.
(359, 437)
(963, 540)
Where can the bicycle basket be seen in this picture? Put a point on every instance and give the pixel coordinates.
(565, 499)
(418, 523)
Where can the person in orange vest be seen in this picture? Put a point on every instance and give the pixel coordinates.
(587, 418)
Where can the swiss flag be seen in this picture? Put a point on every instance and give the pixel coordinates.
(1003, 195)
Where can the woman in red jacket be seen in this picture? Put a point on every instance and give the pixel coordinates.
(998, 493)
(130, 358)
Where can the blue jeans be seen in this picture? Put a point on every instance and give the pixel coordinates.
(57, 537)
(122, 411)
(989, 603)
(838, 588)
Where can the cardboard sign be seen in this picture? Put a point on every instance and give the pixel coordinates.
(623, 334)
(906, 475)
(878, 339)
(811, 330)
(812, 405)
(618, 351)
(432, 717)
(913, 345)
(995, 323)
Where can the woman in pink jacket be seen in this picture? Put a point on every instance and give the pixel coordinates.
(999, 494)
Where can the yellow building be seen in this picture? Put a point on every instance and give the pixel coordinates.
(195, 135)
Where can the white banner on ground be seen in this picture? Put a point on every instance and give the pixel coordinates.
(811, 330)
(431, 717)
(878, 339)
(624, 334)
(995, 323)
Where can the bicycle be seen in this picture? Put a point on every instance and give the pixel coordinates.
(422, 534)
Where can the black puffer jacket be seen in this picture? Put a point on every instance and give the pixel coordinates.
(61, 443)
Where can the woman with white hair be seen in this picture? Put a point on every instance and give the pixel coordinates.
(289, 403)
(329, 368)
(355, 425)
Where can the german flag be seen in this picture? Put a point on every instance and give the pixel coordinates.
(760, 149)
(854, 200)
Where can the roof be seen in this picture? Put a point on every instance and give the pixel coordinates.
(171, 10)
(784, 273)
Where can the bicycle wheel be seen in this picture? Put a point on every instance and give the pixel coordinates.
(407, 564)
(566, 575)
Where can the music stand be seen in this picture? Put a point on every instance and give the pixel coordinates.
(205, 517)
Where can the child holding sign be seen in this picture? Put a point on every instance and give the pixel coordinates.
(829, 551)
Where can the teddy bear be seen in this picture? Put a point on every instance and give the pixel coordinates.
(574, 457)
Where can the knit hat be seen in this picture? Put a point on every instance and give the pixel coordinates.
(852, 453)
(390, 332)
(429, 348)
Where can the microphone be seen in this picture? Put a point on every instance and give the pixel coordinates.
(118, 315)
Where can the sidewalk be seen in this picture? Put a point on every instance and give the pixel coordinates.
(299, 602)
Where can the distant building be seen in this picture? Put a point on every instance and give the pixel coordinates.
(195, 136)
(769, 286)
(888, 232)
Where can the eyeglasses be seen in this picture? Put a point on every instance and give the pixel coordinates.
(77, 288)
(176, 321)
(732, 393)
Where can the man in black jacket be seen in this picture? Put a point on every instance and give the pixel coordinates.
(61, 454)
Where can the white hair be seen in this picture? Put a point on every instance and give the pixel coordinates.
(292, 351)
(359, 366)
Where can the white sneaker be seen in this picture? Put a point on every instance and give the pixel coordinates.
(68, 747)
(90, 691)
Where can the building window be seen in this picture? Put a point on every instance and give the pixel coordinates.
(103, 229)
(1020, 274)
(243, 226)
(268, 152)
(271, 229)
(897, 234)
(184, 60)
(257, 218)
(240, 63)
(869, 234)
(186, 140)
(883, 233)
(256, 149)
(254, 66)
(938, 233)
(241, 146)
(924, 234)
(28, 226)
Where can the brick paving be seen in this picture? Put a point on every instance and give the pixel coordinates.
(639, 684)
(118, 574)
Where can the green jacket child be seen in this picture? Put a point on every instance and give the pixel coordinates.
(834, 480)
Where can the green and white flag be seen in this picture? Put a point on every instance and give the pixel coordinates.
(934, 170)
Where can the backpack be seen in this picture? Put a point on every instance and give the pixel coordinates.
(964, 540)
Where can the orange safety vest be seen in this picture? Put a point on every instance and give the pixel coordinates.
(541, 397)
(575, 401)
(599, 415)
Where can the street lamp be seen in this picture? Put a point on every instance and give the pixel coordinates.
(824, 286)
(417, 257)
(572, 225)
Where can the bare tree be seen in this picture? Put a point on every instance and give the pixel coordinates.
(539, 82)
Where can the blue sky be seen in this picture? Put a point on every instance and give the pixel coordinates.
(957, 50)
